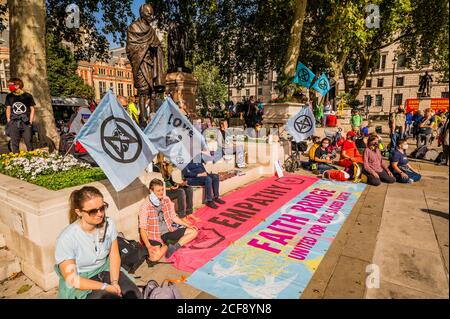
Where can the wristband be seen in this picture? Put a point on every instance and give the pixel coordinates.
(104, 286)
(114, 281)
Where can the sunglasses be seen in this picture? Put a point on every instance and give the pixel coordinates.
(93, 212)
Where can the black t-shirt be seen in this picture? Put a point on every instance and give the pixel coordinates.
(427, 130)
(20, 105)
(320, 153)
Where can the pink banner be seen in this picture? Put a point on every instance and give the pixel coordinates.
(244, 209)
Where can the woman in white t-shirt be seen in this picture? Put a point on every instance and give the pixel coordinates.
(87, 253)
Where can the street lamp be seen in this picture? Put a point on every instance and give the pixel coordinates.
(394, 62)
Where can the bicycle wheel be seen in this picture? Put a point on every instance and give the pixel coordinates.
(289, 165)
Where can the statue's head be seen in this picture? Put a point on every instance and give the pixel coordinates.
(146, 12)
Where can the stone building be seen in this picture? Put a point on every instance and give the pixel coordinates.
(392, 83)
(263, 88)
(115, 73)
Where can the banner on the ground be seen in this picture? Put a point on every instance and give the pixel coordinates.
(303, 75)
(322, 85)
(278, 257)
(174, 135)
(302, 125)
(116, 143)
(244, 209)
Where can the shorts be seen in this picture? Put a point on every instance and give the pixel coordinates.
(172, 236)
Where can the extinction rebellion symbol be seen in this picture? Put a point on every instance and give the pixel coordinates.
(323, 85)
(19, 108)
(120, 140)
(303, 124)
(303, 75)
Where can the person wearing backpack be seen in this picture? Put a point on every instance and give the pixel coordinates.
(87, 252)
(159, 225)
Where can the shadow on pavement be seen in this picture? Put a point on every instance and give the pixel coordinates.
(435, 213)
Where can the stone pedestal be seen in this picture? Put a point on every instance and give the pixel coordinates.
(280, 113)
(183, 86)
(424, 103)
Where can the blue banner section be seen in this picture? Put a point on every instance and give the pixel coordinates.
(303, 76)
(322, 85)
(277, 258)
(116, 143)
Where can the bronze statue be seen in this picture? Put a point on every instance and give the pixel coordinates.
(178, 44)
(425, 84)
(146, 55)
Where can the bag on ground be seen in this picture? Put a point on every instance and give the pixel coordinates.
(132, 254)
(419, 152)
(167, 290)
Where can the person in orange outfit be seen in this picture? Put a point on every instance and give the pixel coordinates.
(349, 151)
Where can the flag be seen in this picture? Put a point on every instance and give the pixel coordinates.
(116, 143)
(302, 125)
(322, 85)
(174, 135)
(303, 75)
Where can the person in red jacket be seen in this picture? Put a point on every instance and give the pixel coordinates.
(349, 151)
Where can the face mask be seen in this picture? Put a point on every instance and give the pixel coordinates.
(12, 88)
(325, 145)
(373, 146)
(154, 199)
(405, 146)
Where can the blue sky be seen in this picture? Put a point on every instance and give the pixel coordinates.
(135, 8)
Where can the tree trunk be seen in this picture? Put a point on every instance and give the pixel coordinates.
(362, 74)
(295, 38)
(27, 20)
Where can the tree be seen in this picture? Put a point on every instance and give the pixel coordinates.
(211, 89)
(28, 49)
(61, 70)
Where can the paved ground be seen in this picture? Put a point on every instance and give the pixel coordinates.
(401, 230)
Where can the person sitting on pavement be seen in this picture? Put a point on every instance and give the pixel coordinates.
(374, 167)
(400, 167)
(349, 151)
(159, 225)
(322, 159)
(181, 193)
(195, 174)
(87, 253)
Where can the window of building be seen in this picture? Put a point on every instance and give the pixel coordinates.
(110, 72)
(101, 71)
(230, 93)
(367, 100)
(102, 88)
(351, 84)
(444, 95)
(383, 62)
(120, 88)
(249, 78)
(260, 91)
(247, 92)
(380, 82)
(379, 100)
(399, 81)
(401, 61)
(398, 99)
(129, 90)
(369, 83)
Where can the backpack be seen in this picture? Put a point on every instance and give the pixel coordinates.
(152, 290)
(440, 158)
(431, 155)
(132, 254)
(312, 151)
(419, 152)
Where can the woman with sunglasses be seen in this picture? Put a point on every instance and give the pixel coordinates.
(374, 167)
(87, 253)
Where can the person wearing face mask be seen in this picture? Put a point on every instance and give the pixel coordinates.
(159, 224)
(374, 167)
(322, 158)
(349, 151)
(20, 114)
(400, 167)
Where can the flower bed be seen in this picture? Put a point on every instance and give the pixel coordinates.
(51, 171)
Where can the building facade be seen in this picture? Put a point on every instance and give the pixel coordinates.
(4, 60)
(260, 88)
(115, 74)
(392, 83)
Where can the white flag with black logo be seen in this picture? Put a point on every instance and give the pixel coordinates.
(174, 135)
(302, 125)
(116, 143)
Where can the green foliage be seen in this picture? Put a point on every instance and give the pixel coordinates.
(73, 177)
(61, 72)
(211, 89)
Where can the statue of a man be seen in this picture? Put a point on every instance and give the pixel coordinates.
(428, 80)
(178, 44)
(146, 55)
